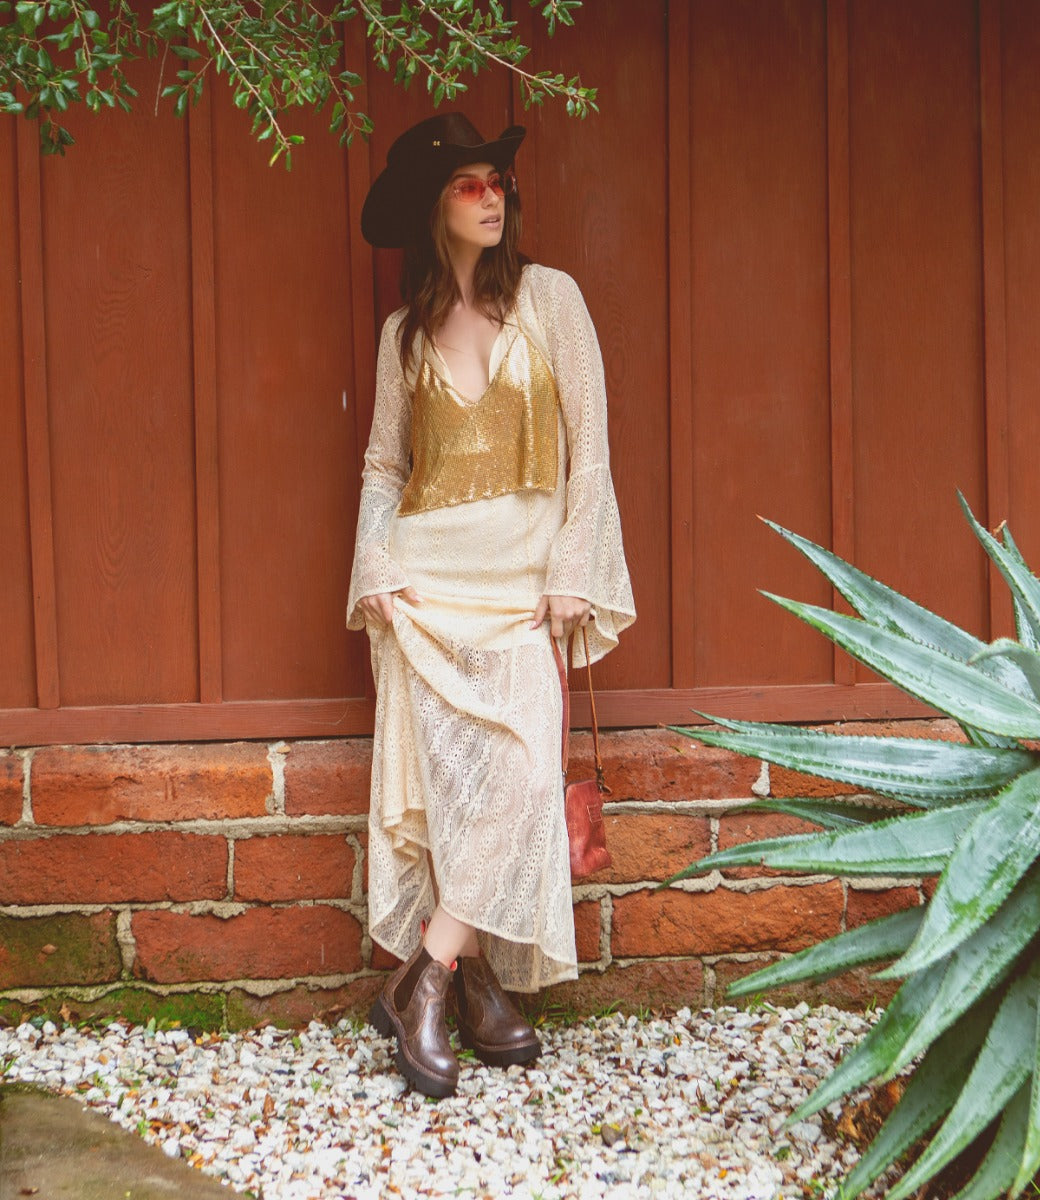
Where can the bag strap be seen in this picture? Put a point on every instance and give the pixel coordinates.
(565, 691)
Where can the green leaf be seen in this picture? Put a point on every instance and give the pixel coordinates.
(888, 609)
(1000, 1070)
(929, 1095)
(992, 856)
(830, 814)
(997, 1171)
(1030, 1159)
(876, 941)
(1025, 659)
(978, 965)
(876, 1052)
(910, 845)
(943, 682)
(910, 769)
(1024, 585)
(1025, 632)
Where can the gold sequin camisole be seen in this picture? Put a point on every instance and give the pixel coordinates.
(506, 441)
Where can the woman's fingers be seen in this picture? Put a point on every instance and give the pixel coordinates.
(541, 609)
(566, 613)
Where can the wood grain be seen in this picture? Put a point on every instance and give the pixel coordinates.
(33, 349)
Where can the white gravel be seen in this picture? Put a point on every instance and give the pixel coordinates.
(688, 1106)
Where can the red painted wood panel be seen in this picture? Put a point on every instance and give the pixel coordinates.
(917, 299)
(1021, 41)
(761, 420)
(17, 679)
(600, 213)
(118, 324)
(285, 405)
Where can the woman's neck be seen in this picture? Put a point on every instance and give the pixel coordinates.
(464, 261)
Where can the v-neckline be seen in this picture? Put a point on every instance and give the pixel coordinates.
(448, 383)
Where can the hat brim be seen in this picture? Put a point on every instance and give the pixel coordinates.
(402, 196)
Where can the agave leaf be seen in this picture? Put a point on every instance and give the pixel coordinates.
(978, 965)
(999, 1071)
(979, 737)
(948, 685)
(876, 941)
(1030, 1163)
(888, 609)
(914, 770)
(1027, 660)
(873, 1055)
(932, 1089)
(908, 845)
(830, 814)
(992, 856)
(1024, 585)
(997, 1171)
(1022, 626)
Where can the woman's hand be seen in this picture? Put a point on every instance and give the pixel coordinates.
(566, 613)
(379, 607)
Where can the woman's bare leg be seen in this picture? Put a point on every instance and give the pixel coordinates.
(447, 939)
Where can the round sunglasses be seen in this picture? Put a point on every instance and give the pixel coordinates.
(469, 189)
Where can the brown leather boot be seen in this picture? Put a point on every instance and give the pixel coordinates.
(489, 1023)
(415, 1016)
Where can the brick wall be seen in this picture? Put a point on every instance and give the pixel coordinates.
(225, 884)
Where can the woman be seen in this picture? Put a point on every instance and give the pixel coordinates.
(487, 524)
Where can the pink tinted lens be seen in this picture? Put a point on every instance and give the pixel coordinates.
(470, 190)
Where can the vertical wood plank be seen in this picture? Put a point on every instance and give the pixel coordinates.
(207, 458)
(37, 424)
(363, 327)
(843, 483)
(527, 177)
(17, 651)
(998, 487)
(680, 319)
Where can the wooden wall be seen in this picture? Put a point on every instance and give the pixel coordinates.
(805, 230)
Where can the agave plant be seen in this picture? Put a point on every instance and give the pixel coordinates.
(969, 812)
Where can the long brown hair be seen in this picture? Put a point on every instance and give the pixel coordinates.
(428, 285)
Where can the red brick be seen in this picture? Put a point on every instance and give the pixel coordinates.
(738, 828)
(383, 960)
(652, 845)
(260, 943)
(863, 906)
(112, 868)
(10, 788)
(96, 785)
(650, 764)
(853, 990)
(65, 948)
(723, 921)
(296, 1007)
(784, 782)
(328, 777)
(587, 921)
(628, 988)
(294, 867)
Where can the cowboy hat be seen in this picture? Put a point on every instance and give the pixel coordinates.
(418, 165)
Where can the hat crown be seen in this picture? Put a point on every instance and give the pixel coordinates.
(446, 131)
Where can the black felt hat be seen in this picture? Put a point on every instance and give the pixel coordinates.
(418, 165)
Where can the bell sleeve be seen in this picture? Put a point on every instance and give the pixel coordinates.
(587, 557)
(386, 470)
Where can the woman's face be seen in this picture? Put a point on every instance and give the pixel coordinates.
(471, 219)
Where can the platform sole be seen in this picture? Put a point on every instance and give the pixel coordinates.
(430, 1085)
(506, 1056)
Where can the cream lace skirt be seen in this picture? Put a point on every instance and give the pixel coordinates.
(466, 758)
